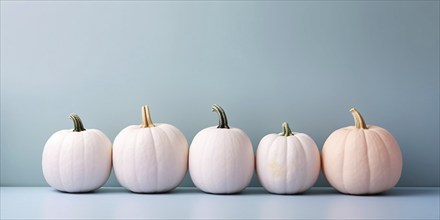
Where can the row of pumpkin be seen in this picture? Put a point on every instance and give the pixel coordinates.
(154, 158)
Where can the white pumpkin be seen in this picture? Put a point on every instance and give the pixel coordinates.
(287, 163)
(77, 160)
(150, 158)
(221, 159)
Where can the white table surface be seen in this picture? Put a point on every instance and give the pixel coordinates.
(184, 203)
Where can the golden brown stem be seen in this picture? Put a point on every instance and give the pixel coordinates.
(358, 119)
(146, 118)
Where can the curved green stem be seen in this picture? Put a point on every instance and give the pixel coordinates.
(146, 117)
(77, 123)
(359, 121)
(286, 130)
(222, 120)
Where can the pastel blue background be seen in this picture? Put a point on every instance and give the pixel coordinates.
(264, 62)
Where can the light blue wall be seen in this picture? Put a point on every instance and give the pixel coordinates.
(264, 62)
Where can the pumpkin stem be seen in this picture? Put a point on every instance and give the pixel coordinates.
(222, 120)
(146, 118)
(77, 123)
(358, 119)
(286, 130)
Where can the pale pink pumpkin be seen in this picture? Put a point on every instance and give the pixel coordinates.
(361, 159)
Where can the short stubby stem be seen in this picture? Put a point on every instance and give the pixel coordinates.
(286, 130)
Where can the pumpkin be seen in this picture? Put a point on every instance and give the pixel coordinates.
(221, 158)
(287, 163)
(361, 159)
(77, 160)
(150, 158)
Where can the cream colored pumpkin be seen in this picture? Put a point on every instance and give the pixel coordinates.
(150, 158)
(221, 159)
(77, 160)
(361, 159)
(287, 163)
